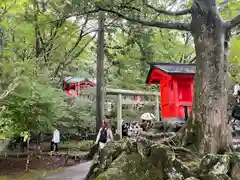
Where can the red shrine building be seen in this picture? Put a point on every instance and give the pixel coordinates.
(176, 88)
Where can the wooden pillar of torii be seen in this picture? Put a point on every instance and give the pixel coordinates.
(120, 102)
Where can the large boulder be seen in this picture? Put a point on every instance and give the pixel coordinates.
(220, 167)
(139, 159)
(215, 164)
(102, 161)
(235, 166)
(215, 167)
(145, 159)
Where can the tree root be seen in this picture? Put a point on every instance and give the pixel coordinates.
(169, 140)
(157, 136)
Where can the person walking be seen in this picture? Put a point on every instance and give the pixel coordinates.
(55, 140)
(104, 135)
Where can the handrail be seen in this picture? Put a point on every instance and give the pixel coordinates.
(111, 91)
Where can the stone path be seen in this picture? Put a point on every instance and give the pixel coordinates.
(77, 172)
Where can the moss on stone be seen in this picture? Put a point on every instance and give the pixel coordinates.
(132, 166)
(215, 177)
(142, 159)
(235, 166)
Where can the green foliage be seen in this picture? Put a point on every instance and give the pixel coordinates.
(34, 106)
(234, 59)
(38, 107)
(43, 41)
(79, 117)
(37, 53)
(84, 145)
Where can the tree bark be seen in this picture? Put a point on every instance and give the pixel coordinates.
(100, 73)
(207, 129)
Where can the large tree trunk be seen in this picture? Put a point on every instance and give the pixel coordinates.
(207, 129)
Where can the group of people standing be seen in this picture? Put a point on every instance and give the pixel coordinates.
(133, 129)
(104, 135)
(25, 139)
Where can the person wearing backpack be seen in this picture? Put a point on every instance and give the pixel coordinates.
(104, 135)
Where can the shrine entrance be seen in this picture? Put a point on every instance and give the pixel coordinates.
(116, 95)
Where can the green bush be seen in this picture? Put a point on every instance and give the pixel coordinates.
(37, 106)
(84, 145)
(34, 106)
(80, 117)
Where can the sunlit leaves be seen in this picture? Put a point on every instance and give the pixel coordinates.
(33, 106)
(37, 104)
(234, 59)
(230, 9)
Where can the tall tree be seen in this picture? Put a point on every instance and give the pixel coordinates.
(100, 72)
(207, 129)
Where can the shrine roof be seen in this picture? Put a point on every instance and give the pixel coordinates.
(74, 79)
(174, 68)
(169, 69)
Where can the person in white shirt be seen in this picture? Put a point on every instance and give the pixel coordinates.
(136, 129)
(104, 135)
(55, 140)
(236, 92)
(130, 130)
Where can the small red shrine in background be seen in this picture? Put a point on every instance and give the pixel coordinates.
(176, 87)
(73, 85)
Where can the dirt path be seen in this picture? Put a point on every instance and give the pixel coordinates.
(76, 172)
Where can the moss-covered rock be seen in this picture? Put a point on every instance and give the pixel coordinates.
(131, 167)
(143, 147)
(107, 156)
(142, 159)
(192, 178)
(235, 166)
(215, 177)
(215, 164)
(138, 159)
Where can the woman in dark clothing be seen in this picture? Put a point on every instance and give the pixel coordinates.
(236, 111)
(144, 125)
(125, 127)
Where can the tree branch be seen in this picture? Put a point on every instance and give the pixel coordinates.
(68, 15)
(234, 22)
(81, 50)
(224, 2)
(80, 37)
(62, 63)
(193, 60)
(4, 10)
(48, 45)
(166, 25)
(11, 87)
(170, 13)
(83, 26)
